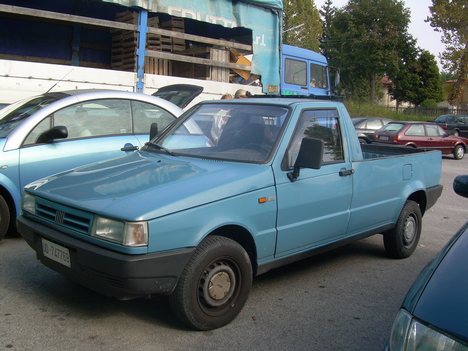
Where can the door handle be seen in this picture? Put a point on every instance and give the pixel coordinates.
(129, 147)
(346, 172)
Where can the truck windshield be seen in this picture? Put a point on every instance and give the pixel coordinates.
(227, 131)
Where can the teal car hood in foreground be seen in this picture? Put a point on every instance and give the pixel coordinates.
(438, 296)
(121, 187)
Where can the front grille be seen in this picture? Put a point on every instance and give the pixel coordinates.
(64, 216)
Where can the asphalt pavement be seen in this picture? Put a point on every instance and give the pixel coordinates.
(345, 299)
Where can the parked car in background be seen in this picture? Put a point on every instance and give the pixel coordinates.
(434, 313)
(453, 124)
(366, 127)
(53, 132)
(425, 135)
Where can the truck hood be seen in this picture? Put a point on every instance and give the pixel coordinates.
(144, 185)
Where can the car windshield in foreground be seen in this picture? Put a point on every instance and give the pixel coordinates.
(236, 132)
(392, 127)
(13, 114)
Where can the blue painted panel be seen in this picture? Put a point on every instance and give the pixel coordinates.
(264, 23)
(310, 213)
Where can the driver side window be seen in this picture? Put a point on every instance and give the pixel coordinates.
(88, 119)
(44, 125)
(318, 124)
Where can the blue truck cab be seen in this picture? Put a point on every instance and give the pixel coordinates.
(305, 72)
(198, 212)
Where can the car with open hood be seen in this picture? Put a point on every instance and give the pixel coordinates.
(56, 131)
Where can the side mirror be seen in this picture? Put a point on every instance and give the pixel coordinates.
(310, 156)
(460, 185)
(153, 131)
(59, 132)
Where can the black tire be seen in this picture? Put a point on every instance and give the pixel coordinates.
(363, 140)
(459, 152)
(5, 217)
(220, 263)
(402, 240)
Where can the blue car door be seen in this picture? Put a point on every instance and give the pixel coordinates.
(314, 210)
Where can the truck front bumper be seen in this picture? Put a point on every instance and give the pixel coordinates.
(111, 273)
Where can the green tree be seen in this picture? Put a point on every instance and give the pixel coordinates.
(301, 24)
(452, 18)
(328, 13)
(365, 40)
(430, 84)
(417, 79)
(405, 77)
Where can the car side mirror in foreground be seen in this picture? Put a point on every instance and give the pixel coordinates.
(153, 131)
(310, 156)
(460, 185)
(58, 132)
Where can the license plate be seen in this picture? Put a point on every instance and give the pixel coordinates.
(386, 138)
(56, 252)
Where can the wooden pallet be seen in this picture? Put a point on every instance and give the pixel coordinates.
(124, 43)
(219, 74)
(158, 66)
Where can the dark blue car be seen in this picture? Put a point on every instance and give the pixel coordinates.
(434, 313)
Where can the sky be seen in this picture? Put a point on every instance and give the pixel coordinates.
(427, 38)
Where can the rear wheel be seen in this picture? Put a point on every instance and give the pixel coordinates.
(4, 217)
(214, 285)
(402, 240)
(459, 152)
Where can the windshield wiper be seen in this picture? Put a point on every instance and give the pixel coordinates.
(159, 147)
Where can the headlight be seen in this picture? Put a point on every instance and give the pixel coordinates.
(422, 337)
(125, 233)
(29, 203)
(400, 331)
(410, 335)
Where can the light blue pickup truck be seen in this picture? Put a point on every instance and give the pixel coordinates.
(198, 212)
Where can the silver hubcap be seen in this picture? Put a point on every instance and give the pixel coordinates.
(460, 152)
(217, 284)
(410, 230)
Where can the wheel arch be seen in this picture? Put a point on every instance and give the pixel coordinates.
(5, 193)
(420, 198)
(243, 237)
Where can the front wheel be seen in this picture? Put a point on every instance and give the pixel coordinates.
(402, 240)
(214, 285)
(459, 152)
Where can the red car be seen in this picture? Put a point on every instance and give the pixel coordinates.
(422, 135)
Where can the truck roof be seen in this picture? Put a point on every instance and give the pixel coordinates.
(303, 53)
(273, 101)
